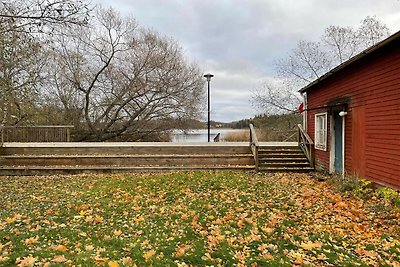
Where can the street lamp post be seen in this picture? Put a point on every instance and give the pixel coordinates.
(208, 76)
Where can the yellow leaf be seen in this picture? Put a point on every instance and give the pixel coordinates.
(217, 221)
(310, 245)
(127, 261)
(82, 213)
(99, 259)
(149, 254)
(31, 240)
(113, 264)
(181, 250)
(240, 224)
(60, 248)
(138, 219)
(98, 219)
(10, 220)
(267, 256)
(3, 258)
(267, 230)
(89, 248)
(117, 233)
(59, 259)
(26, 261)
(299, 260)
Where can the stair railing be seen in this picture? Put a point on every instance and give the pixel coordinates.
(1, 136)
(306, 144)
(254, 145)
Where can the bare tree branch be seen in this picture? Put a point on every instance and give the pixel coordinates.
(310, 60)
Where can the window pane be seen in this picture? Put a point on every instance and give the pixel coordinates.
(320, 130)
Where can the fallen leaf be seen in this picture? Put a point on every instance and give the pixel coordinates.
(59, 259)
(268, 230)
(89, 219)
(89, 248)
(310, 245)
(10, 220)
(181, 250)
(117, 233)
(98, 219)
(113, 264)
(26, 261)
(240, 224)
(4, 258)
(31, 240)
(60, 248)
(127, 261)
(99, 260)
(149, 254)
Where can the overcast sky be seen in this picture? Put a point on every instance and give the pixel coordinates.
(239, 40)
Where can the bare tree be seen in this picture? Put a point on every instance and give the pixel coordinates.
(21, 73)
(41, 15)
(125, 81)
(310, 60)
(276, 98)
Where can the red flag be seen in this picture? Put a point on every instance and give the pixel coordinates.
(301, 106)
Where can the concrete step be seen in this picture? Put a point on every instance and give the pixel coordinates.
(285, 164)
(50, 170)
(127, 148)
(280, 151)
(286, 169)
(283, 159)
(128, 160)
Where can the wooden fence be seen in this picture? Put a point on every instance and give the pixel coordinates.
(58, 133)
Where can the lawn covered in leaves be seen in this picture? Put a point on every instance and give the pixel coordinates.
(192, 219)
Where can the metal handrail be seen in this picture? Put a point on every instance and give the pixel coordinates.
(2, 136)
(217, 137)
(254, 145)
(306, 144)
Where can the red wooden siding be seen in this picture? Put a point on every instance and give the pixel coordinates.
(371, 86)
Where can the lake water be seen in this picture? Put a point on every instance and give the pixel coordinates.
(200, 135)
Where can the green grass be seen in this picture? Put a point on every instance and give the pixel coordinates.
(191, 218)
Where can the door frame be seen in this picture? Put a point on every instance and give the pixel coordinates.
(332, 142)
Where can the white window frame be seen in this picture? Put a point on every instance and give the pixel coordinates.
(321, 145)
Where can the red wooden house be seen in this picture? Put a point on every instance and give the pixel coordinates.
(352, 114)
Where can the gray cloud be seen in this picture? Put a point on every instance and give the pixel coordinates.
(238, 40)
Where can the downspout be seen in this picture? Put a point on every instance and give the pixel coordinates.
(305, 126)
(343, 114)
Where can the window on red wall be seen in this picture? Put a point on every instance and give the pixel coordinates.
(321, 120)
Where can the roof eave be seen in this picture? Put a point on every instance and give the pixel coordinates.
(352, 60)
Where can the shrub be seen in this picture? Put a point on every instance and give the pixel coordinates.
(242, 136)
(389, 194)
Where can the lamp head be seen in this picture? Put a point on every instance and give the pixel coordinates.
(208, 76)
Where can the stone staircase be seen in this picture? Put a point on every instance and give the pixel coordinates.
(283, 158)
(74, 158)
